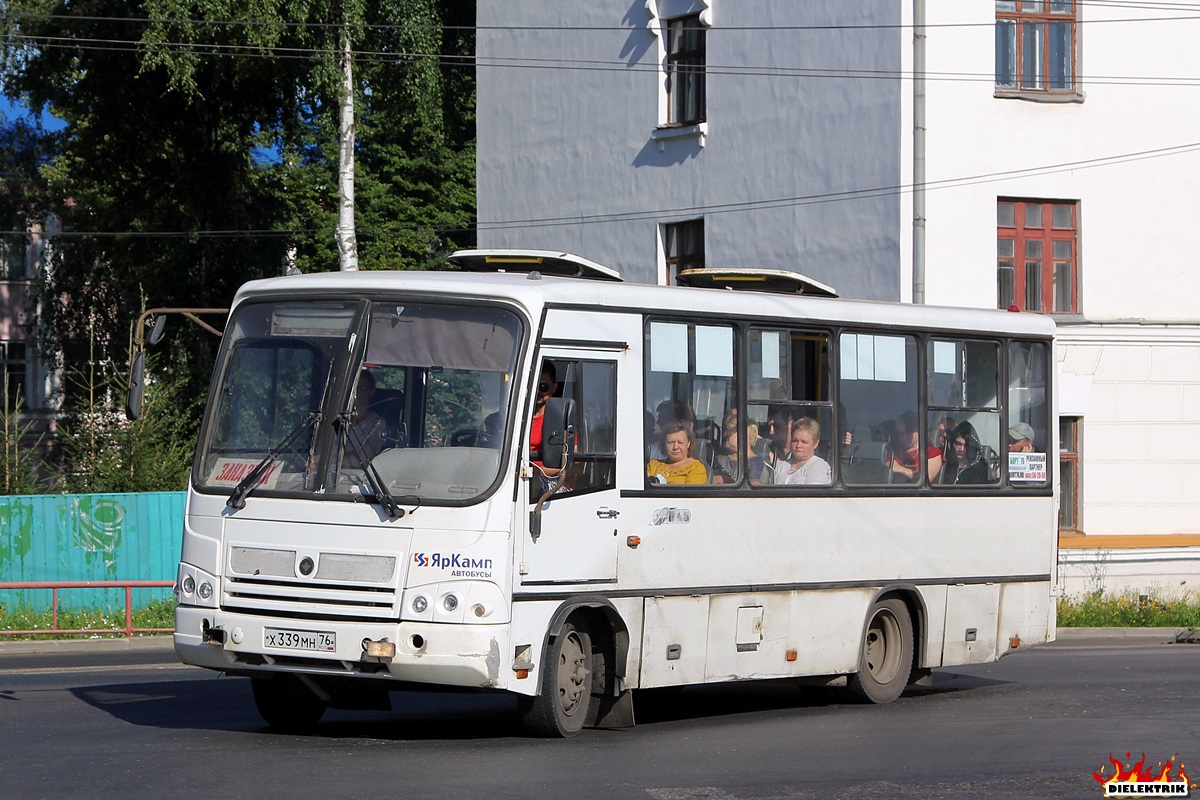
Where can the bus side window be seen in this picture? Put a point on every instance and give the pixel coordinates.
(1028, 460)
(593, 387)
(878, 389)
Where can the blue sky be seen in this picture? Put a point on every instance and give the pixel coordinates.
(10, 111)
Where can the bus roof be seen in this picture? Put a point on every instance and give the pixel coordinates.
(535, 290)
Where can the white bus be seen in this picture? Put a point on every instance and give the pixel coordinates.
(367, 511)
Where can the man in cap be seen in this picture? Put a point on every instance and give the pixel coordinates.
(1020, 438)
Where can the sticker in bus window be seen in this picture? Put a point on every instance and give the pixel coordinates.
(668, 347)
(1027, 467)
(890, 359)
(945, 358)
(231, 471)
(714, 351)
(770, 354)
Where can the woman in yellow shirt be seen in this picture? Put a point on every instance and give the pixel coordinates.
(676, 441)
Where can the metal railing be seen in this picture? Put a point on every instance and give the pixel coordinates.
(54, 630)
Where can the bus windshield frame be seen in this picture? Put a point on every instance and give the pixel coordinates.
(362, 398)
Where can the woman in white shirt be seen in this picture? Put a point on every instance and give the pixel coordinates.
(803, 465)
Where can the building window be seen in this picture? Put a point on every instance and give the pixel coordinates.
(685, 71)
(14, 250)
(1068, 474)
(12, 359)
(684, 247)
(1035, 45)
(1037, 255)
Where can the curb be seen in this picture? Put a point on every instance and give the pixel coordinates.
(1170, 635)
(141, 644)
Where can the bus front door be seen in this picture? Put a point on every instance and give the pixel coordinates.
(576, 538)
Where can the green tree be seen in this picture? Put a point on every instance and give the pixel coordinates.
(189, 168)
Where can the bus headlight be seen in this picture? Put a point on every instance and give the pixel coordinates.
(195, 587)
(450, 603)
(420, 603)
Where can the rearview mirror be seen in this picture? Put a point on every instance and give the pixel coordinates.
(156, 330)
(137, 385)
(558, 433)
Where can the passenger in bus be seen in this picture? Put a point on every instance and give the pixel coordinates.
(667, 412)
(547, 386)
(941, 433)
(736, 460)
(778, 431)
(1020, 437)
(965, 463)
(678, 466)
(905, 455)
(803, 465)
(367, 432)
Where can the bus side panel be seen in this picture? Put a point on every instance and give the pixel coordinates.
(674, 641)
(1026, 611)
(929, 646)
(971, 619)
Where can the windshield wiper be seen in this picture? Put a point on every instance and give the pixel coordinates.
(374, 481)
(237, 498)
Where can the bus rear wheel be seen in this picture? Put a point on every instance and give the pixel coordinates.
(561, 705)
(287, 704)
(886, 656)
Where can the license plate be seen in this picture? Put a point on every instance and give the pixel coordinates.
(321, 641)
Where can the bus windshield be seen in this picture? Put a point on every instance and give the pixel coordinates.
(361, 399)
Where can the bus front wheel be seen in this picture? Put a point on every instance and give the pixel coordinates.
(886, 657)
(286, 703)
(561, 705)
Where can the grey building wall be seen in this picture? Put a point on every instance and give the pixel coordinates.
(798, 169)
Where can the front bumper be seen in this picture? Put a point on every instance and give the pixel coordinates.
(430, 653)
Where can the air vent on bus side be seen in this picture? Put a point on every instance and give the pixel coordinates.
(778, 281)
(546, 262)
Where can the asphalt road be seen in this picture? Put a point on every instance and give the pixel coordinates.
(133, 723)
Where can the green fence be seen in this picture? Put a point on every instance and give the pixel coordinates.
(88, 537)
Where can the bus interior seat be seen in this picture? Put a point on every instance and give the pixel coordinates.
(864, 461)
(389, 404)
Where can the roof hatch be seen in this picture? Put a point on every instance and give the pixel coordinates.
(778, 281)
(547, 262)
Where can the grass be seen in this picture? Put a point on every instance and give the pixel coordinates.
(1129, 610)
(100, 623)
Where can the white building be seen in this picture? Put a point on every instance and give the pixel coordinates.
(1060, 160)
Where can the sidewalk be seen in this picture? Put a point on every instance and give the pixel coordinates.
(116, 644)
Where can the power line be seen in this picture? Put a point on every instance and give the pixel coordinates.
(884, 191)
(585, 65)
(1194, 8)
(657, 214)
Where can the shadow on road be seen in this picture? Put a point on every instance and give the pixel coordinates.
(226, 704)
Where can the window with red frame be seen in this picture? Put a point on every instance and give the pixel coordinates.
(1035, 46)
(1068, 473)
(1037, 256)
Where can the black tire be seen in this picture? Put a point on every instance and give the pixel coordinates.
(885, 658)
(287, 704)
(565, 688)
